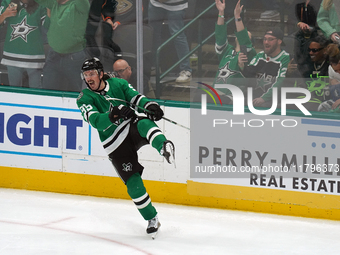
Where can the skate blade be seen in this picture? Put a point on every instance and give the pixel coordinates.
(173, 163)
(153, 235)
(172, 159)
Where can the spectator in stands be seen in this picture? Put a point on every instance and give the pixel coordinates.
(228, 14)
(316, 64)
(174, 12)
(328, 19)
(269, 67)
(304, 12)
(333, 53)
(228, 69)
(305, 20)
(66, 37)
(123, 70)
(24, 44)
(102, 12)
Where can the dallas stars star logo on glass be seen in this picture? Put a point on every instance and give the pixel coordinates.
(21, 30)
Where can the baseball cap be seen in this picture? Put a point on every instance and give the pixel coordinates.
(277, 32)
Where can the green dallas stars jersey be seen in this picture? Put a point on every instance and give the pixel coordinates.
(269, 73)
(95, 109)
(228, 69)
(24, 46)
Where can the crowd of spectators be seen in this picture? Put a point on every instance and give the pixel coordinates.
(46, 41)
(308, 64)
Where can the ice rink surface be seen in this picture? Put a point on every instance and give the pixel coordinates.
(48, 223)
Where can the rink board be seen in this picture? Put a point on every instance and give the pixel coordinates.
(193, 193)
(45, 145)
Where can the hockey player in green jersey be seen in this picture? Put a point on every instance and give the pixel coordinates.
(228, 69)
(110, 106)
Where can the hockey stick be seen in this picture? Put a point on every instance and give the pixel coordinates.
(145, 110)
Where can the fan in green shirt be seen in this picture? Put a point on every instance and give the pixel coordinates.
(66, 38)
(228, 69)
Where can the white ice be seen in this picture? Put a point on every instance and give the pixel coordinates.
(38, 223)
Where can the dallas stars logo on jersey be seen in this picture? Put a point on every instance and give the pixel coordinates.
(127, 167)
(264, 81)
(21, 30)
(267, 70)
(224, 73)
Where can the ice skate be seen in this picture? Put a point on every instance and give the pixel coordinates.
(153, 227)
(168, 152)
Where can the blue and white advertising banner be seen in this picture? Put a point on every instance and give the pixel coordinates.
(36, 131)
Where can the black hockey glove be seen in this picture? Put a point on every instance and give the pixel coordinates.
(155, 112)
(121, 111)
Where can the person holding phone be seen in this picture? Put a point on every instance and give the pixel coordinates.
(268, 68)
